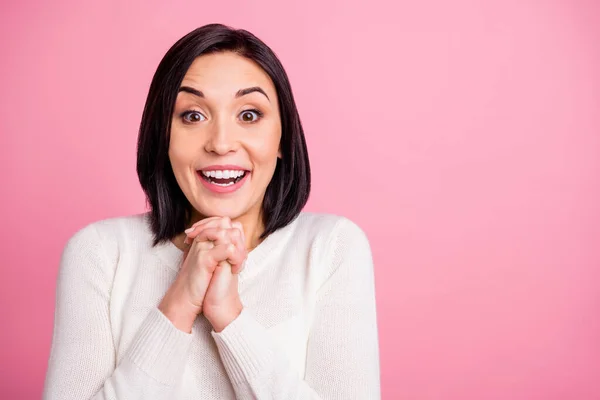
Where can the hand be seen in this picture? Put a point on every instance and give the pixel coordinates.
(213, 240)
(224, 231)
(222, 303)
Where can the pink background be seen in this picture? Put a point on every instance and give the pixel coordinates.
(463, 136)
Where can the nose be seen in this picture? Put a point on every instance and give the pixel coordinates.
(221, 138)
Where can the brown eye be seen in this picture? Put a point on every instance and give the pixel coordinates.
(250, 115)
(192, 117)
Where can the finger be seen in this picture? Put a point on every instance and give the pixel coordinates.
(229, 253)
(222, 236)
(237, 268)
(197, 246)
(221, 279)
(203, 221)
(217, 235)
(208, 245)
(237, 238)
(240, 227)
(226, 222)
(223, 222)
(191, 233)
(237, 258)
(219, 254)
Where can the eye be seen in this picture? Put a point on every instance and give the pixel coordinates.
(251, 116)
(192, 116)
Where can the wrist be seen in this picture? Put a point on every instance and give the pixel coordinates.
(181, 313)
(222, 319)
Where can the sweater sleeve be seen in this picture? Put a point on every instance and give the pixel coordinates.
(82, 361)
(343, 348)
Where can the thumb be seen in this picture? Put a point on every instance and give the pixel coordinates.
(221, 278)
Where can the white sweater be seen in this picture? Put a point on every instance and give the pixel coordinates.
(308, 329)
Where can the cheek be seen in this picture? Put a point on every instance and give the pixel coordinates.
(265, 159)
(180, 162)
(180, 153)
(264, 150)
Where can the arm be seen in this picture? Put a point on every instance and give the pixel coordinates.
(343, 348)
(82, 355)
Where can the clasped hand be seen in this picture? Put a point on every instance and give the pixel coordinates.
(208, 279)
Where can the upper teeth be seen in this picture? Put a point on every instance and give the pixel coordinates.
(225, 174)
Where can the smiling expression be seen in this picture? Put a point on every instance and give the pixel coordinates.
(225, 135)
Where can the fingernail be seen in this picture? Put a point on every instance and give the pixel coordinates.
(188, 230)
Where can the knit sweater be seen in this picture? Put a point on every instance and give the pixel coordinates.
(308, 329)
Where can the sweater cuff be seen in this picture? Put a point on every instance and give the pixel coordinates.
(160, 349)
(245, 349)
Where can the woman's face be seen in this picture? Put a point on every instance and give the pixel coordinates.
(225, 135)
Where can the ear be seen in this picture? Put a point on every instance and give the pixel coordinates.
(279, 153)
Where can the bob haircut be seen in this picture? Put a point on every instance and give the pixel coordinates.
(170, 211)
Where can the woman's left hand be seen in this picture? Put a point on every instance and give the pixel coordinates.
(222, 303)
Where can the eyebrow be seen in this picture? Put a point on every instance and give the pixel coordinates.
(240, 93)
(243, 92)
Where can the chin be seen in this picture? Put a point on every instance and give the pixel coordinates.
(220, 210)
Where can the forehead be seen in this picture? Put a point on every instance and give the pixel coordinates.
(226, 72)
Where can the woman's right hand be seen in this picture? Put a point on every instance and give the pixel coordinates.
(213, 240)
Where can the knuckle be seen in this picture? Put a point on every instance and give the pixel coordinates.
(205, 245)
(209, 259)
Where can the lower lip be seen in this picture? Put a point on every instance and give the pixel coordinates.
(222, 189)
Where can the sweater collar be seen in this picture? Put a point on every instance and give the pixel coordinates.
(172, 256)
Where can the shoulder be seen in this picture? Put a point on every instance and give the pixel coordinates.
(110, 228)
(333, 238)
(331, 228)
(340, 244)
(104, 237)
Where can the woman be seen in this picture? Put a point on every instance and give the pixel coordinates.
(225, 289)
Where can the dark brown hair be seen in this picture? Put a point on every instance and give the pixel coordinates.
(170, 211)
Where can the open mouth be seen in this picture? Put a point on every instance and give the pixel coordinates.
(223, 178)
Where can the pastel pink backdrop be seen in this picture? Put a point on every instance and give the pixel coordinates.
(463, 136)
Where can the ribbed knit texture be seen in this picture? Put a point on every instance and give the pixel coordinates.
(308, 329)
